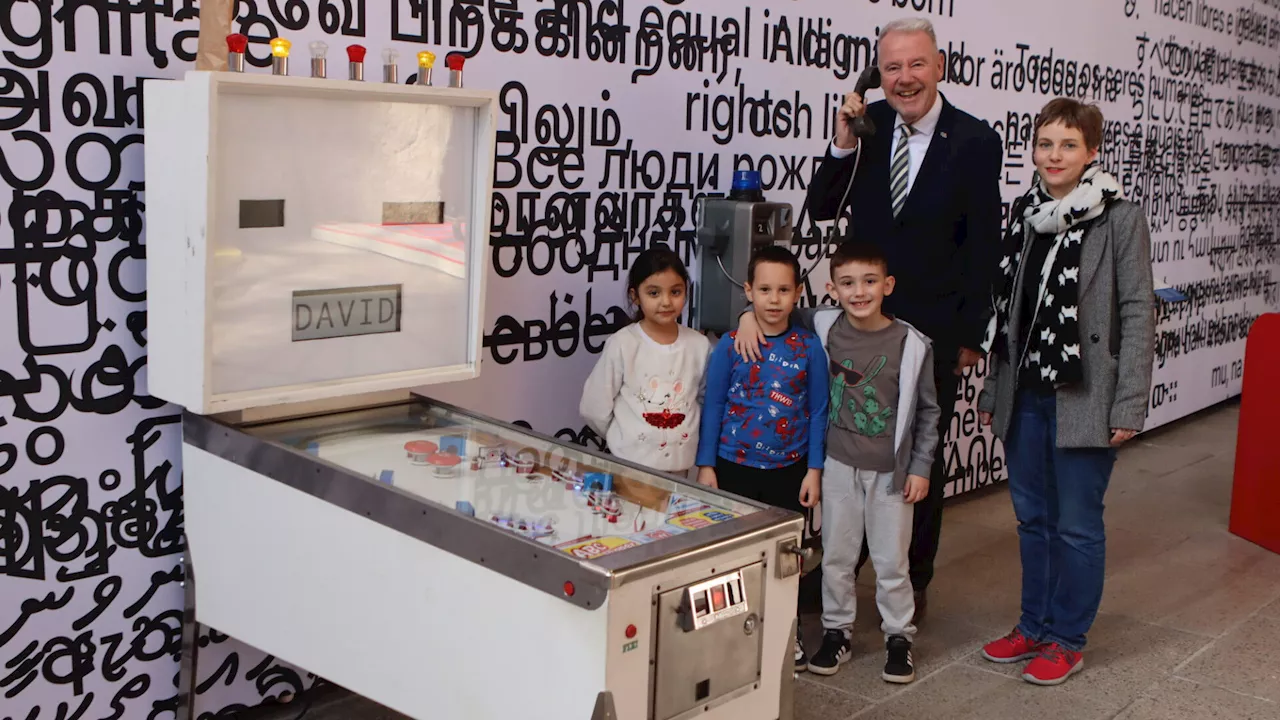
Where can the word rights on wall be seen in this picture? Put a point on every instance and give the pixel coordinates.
(616, 118)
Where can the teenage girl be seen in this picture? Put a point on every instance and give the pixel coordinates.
(644, 396)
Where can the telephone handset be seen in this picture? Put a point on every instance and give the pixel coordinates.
(863, 127)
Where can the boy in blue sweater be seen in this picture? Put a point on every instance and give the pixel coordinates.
(764, 423)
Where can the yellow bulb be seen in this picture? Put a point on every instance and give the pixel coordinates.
(426, 59)
(280, 47)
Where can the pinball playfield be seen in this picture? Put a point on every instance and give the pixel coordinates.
(587, 507)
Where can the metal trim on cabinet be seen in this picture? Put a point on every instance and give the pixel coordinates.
(647, 560)
(188, 665)
(516, 557)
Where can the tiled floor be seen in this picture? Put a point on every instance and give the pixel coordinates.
(1188, 628)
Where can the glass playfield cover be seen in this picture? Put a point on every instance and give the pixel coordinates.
(580, 502)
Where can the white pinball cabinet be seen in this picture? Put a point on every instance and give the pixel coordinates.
(491, 589)
(311, 239)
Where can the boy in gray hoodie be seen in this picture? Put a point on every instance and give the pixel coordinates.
(881, 435)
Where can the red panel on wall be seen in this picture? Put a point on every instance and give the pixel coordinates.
(1255, 496)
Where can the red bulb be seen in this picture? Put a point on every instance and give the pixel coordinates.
(237, 43)
(454, 61)
(569, 589)
(355, 53)
(631, 631)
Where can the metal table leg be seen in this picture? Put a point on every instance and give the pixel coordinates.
(187, 677)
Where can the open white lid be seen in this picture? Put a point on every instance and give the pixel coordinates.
(312, 239)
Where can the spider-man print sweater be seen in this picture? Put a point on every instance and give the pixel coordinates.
(768, 414)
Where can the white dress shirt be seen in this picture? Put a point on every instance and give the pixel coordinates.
(917, 144)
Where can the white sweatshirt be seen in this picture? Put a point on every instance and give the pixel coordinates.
(645, 398)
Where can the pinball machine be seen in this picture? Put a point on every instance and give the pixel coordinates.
(316, 264)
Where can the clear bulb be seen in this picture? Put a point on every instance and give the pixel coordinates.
(390, 56)
(318, 49)
(280, 47)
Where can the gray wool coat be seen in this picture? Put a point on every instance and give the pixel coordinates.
(1117, 336)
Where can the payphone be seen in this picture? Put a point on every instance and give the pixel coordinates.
(730, 230)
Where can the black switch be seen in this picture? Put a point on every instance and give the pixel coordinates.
(261, 213)
(704, 690)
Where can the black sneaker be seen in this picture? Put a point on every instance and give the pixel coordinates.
(833, 653)
(802, 660)
(898, 668)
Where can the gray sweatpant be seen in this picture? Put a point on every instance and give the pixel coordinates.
(853, 502)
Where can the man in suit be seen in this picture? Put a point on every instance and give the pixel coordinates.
(926, 188)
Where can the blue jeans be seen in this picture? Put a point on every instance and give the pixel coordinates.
(1057, 498)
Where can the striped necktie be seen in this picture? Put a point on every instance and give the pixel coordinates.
(900, 170)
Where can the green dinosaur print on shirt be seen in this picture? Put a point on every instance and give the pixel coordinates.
(869, 418)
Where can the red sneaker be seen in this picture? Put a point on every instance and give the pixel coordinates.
(1054, 666)
(1011, 648)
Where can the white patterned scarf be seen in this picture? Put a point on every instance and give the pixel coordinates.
(1053, 345)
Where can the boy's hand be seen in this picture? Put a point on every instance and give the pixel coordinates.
(984, 418)
(707, 476)
(917, 488)
(749, 339)
(811, 488)
(1120, 436)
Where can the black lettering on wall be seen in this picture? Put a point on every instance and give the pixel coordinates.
(586, 178)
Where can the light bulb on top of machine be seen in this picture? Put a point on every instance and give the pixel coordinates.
(355, 62)
(280, 56)
(319, 49)
(426, 61)
(746, 186)
(454, 61)
(390, 72)
(236, 46)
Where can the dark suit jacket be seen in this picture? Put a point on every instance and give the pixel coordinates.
(943, 247)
